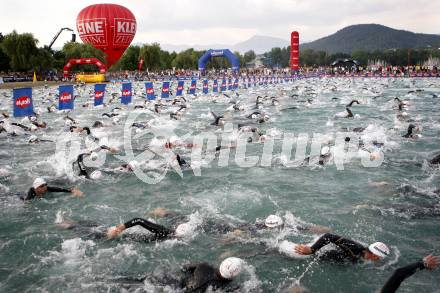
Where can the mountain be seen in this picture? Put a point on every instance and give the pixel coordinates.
(370, 37)
(260, 44)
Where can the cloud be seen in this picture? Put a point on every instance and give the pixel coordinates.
(229, 21)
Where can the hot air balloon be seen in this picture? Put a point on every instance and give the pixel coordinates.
(108, 27)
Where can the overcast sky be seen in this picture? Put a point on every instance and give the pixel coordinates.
(206, 22)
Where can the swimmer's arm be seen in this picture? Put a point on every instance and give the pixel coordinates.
(74, 191)
(400, 275)
(429, 262)
(150, 226)
(331, 238)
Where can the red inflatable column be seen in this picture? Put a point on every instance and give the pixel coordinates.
(294, 51)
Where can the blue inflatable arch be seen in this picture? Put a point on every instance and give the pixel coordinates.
(219, 53)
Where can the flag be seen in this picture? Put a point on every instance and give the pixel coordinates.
(126, 93)
(180, 86)
(165, 90)
(23, 105)
(205, 86)
(215, 86)
(192, 88)
(65, 101)
(99, 94)
(150, 91)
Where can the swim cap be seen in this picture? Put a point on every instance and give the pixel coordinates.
(133, 164)
(38, 182)
(273, 221)
(68, 123)
(182, 229)
(379, 249)
(93, 156)
(33, 118)
(325, 151)
(231, 267)
(95, 175)
(33, 138)
(115, 120)
(33, 127)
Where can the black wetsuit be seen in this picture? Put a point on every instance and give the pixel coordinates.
(346, 249)
(201, 276)
(32, 194)
(21, 126)
(400, 275)
(160, 232)
(82, 168)
(216, 118)
(435, 160)
(182, 162)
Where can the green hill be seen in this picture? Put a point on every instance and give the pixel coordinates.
(370, 37)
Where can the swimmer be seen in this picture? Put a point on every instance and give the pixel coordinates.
(435, 160)
(97, 124)
(350, 114)
(272, 222)
(201, 276)
(34, 140)
(429, 262)
(346, 249)
(218, 120)
(110, 115)
(24, 127)
(82, 129)
(39, 189)
(410, 133)
(351, 103)
(160, 232)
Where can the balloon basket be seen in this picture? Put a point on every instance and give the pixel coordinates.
(90, 78)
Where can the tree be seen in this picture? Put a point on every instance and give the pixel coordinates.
(130, 59)
(151, 55)
(4, 59)
(20, 48)
(249, 56)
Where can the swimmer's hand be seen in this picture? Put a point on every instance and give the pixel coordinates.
(76, 192)
(431, 262)
(113, 150)
(303, 249)
(114, 232)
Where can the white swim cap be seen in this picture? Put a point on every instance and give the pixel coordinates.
(133, 164)
(182, 230)
(325, 151)
(38, 182)
(33, 118)
(273, 221)
(33, 127)
(33, 138)
(95, 175)
(93, 156)
(231, 267)
(138, 130)
(68, 123)
(115, 120)
(379, 249)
